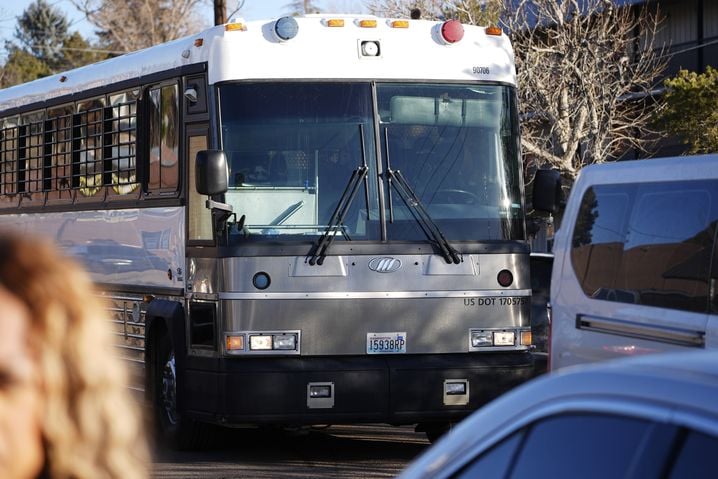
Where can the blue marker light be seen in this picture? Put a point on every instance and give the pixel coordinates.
(286, 28)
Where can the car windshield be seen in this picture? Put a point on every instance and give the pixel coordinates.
(293, 147)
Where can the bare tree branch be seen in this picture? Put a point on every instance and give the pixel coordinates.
(586, 70)
(129, 25)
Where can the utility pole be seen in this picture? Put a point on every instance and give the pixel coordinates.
(220, 12)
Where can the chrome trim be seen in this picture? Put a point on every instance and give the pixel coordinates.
(376, 294)
(648, 332)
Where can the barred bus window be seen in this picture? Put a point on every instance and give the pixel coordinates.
(58, 153)
(87, 147)
(121, 143)
(30, 164)
(8, 162)
(164, 139)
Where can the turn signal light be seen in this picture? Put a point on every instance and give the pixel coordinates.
(235, 343)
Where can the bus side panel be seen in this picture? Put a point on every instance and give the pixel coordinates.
(137, 247)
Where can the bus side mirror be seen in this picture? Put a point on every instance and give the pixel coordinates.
(547, 194)
(212, 172)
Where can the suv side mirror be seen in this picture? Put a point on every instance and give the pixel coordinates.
(547, 194)
(212, 172)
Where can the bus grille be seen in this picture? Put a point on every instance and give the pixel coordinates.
(127, 315)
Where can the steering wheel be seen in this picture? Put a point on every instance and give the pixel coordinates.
(455, 195)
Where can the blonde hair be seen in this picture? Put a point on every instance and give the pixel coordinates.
(91, 426)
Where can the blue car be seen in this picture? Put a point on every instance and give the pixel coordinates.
(645, 417)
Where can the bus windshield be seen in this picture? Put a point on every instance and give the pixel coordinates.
(293, 147)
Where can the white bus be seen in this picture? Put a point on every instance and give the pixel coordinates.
(362, 256)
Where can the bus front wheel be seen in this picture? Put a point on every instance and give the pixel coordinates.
(175, 430)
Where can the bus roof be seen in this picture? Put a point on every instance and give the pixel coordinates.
(414, 50)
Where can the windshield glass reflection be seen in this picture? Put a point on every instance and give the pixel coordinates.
(457, 147)
(292, 149)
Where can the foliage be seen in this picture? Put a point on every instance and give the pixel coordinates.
(41, 30)
(22, 67)
(691, 109)
(129, 25)
(76, 51)
(45, 46)
(586, 72)
(472, 12)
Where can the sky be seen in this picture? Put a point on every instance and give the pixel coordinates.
(252, 10)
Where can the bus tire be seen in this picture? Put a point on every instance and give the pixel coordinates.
(173, 429)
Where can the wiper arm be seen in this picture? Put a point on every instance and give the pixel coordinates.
(428, 226)
(316, 256)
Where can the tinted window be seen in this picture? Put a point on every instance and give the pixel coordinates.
(582, 446)
(696, 458)
(163, 128)
(647, 243)
(495, 462)
(87, 147)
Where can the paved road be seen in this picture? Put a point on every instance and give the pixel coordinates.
(346, 452)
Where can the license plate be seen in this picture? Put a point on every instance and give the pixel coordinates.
(385, 343)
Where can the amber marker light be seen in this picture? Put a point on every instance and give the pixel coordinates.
(235, 27)
(367, 23)
(199, 42)
(235, 343)
(493, 30)
(335, 22)
(400, 24)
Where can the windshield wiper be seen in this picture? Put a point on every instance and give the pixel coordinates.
(336, 223)
(428, 226)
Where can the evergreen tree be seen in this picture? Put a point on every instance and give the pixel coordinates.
(691, 109)
(44, 46)
(42, 30)
(21, 67)
(76, 51)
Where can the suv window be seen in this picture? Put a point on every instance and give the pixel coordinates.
(648, 243)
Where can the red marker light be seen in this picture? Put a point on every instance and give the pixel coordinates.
(452, 31)
(505, 278)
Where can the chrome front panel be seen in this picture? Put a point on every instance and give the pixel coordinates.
(337, 304)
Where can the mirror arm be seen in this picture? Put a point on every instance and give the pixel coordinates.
(221, 212)
(210, 204)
